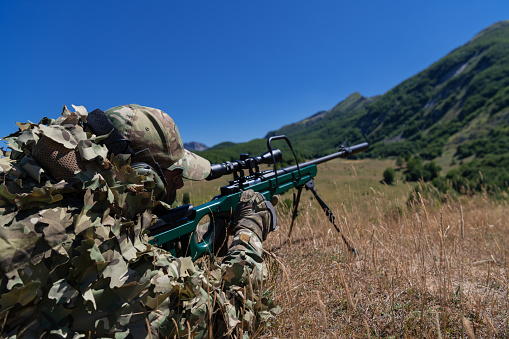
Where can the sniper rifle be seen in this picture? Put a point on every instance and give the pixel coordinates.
(179, 230)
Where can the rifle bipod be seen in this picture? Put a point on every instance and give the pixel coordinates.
(310, 185)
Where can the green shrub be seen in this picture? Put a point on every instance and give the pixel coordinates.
(415, 170)
(389, 175)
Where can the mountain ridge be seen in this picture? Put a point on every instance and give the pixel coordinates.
(195, 146)
(460, 98)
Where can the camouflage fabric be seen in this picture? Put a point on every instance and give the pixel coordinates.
(193, 167)
(155, 137)
(253, 214)
(74, 256)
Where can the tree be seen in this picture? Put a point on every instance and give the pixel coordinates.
(431, 171)
(399, 161)
(389, 175)
(414, 169)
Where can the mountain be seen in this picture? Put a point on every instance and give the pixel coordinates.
(459, 107)
(461, 98)
(195, 146)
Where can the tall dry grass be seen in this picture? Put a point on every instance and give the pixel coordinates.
(424, 270)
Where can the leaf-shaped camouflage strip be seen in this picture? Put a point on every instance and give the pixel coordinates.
(55, 232)
(22, 295)
(12, 143)
(23, 126)
(16, 246)
(29, 137)
(61, 135)
(72, 118)
(39, 197)
(88, 263)
(31, 167)
(7, 197)
(76, 261)
(116, 271)
(92, 212)
(62, 292)
(5, 164)
(92, 151)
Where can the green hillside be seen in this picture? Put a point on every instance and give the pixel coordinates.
(456, 107)
(460, 98)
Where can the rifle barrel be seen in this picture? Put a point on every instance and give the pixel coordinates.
(218, 170)
(347, 151)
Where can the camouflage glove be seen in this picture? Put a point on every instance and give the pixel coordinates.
(256, 214)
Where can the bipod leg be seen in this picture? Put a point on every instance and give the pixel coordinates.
(310, 185)
(295, 205)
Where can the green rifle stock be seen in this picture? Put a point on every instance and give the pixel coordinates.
(176, 231)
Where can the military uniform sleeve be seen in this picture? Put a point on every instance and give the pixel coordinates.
(244, 274)
(225, 299)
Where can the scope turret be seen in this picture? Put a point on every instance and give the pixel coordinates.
(246, 163)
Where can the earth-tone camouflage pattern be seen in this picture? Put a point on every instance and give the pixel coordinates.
(193, 166)
(153, 133)
(155, 137)
(75, 260)
(257, 222)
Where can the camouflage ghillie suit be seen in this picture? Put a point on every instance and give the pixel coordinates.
(75, 258)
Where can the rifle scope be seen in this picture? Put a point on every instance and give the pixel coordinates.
(245, 162)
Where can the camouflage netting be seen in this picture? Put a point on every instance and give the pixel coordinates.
(75, 258)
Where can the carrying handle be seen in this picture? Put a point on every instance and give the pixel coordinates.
(269, 146)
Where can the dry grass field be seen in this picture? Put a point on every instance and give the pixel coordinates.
(425, 269)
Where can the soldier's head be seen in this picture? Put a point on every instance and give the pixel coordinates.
(156, 141)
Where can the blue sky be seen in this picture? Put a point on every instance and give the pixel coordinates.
(224, 70)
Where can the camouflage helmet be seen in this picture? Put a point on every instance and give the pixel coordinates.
(193, 166)
(155, 137)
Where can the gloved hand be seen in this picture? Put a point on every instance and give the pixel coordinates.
(256, 214)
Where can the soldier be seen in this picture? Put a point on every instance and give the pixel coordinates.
(74, 251)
